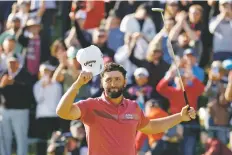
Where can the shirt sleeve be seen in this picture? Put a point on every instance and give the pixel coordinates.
(86, 110)
(143, 120)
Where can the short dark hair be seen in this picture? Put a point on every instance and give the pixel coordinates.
(111, 66)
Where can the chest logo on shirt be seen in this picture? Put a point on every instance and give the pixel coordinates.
(129, 116)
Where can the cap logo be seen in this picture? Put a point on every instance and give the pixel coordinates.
(89, 63)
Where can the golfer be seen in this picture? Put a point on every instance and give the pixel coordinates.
(111, 121)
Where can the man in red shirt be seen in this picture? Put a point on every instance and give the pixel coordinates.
(194, 88)
(111, 121)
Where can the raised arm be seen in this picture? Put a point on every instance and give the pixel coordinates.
(163, 88)
(191, 33)
(80, 37)
(66, 109)
(215, 22)
(163, 124)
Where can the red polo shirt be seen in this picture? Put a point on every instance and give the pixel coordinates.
(111, 129)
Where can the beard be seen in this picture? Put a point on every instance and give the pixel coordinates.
(114, 92)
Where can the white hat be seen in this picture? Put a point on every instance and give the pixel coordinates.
(46, 66)
(141, 71)
(91, 59)
(225, 1)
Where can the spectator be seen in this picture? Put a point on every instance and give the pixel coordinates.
(171, 8)
(71, 38)
(213, 146)
(99, 39)
(73, 143)
(184, 37)
(139, 22)
(219, 112)
(78, 132)
(154, 63)
(24, 13)
(47, 95)
(215, 81)
(48, 18)
(175, 97)
(175, 93)
(32, 42)
(9, 46)
(16, 87)
(152, 111)
(163, 36)
(190, 57)
(138, 45)
(58, 50)
(220, 27)
(115, 36)
(13, 30)
(141, 91)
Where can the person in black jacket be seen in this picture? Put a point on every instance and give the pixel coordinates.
(16, 88)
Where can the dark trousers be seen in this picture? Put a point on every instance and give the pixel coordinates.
(45, 127)
(166, 148)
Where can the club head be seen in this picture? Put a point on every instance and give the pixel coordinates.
(157, 10)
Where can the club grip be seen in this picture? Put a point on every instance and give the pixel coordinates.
(186, 99)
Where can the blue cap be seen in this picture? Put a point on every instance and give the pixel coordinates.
(189, 51)
(227, 64)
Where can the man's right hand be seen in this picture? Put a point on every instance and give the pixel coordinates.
(84, 78)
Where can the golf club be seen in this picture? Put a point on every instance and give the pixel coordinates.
(171, 52)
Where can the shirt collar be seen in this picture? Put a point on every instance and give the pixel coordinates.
(104, 98)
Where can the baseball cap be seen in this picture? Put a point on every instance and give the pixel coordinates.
(225, 1)
(189, 51)
(46, 66)
(141, 71)
(227, 64)
(15, 18)
(91, 59)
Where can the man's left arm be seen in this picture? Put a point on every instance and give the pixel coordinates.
(163, 124)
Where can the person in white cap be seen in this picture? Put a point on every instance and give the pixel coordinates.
(16, 88)
(141, 91)
(111, 121)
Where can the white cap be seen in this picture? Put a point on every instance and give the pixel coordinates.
(46, 66)
(91, 59)
(80, 14)
(225, 1)
(141, 71)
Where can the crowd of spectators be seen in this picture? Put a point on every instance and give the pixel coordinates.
(36, 69)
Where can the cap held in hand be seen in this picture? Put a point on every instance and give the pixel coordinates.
(91, 59)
